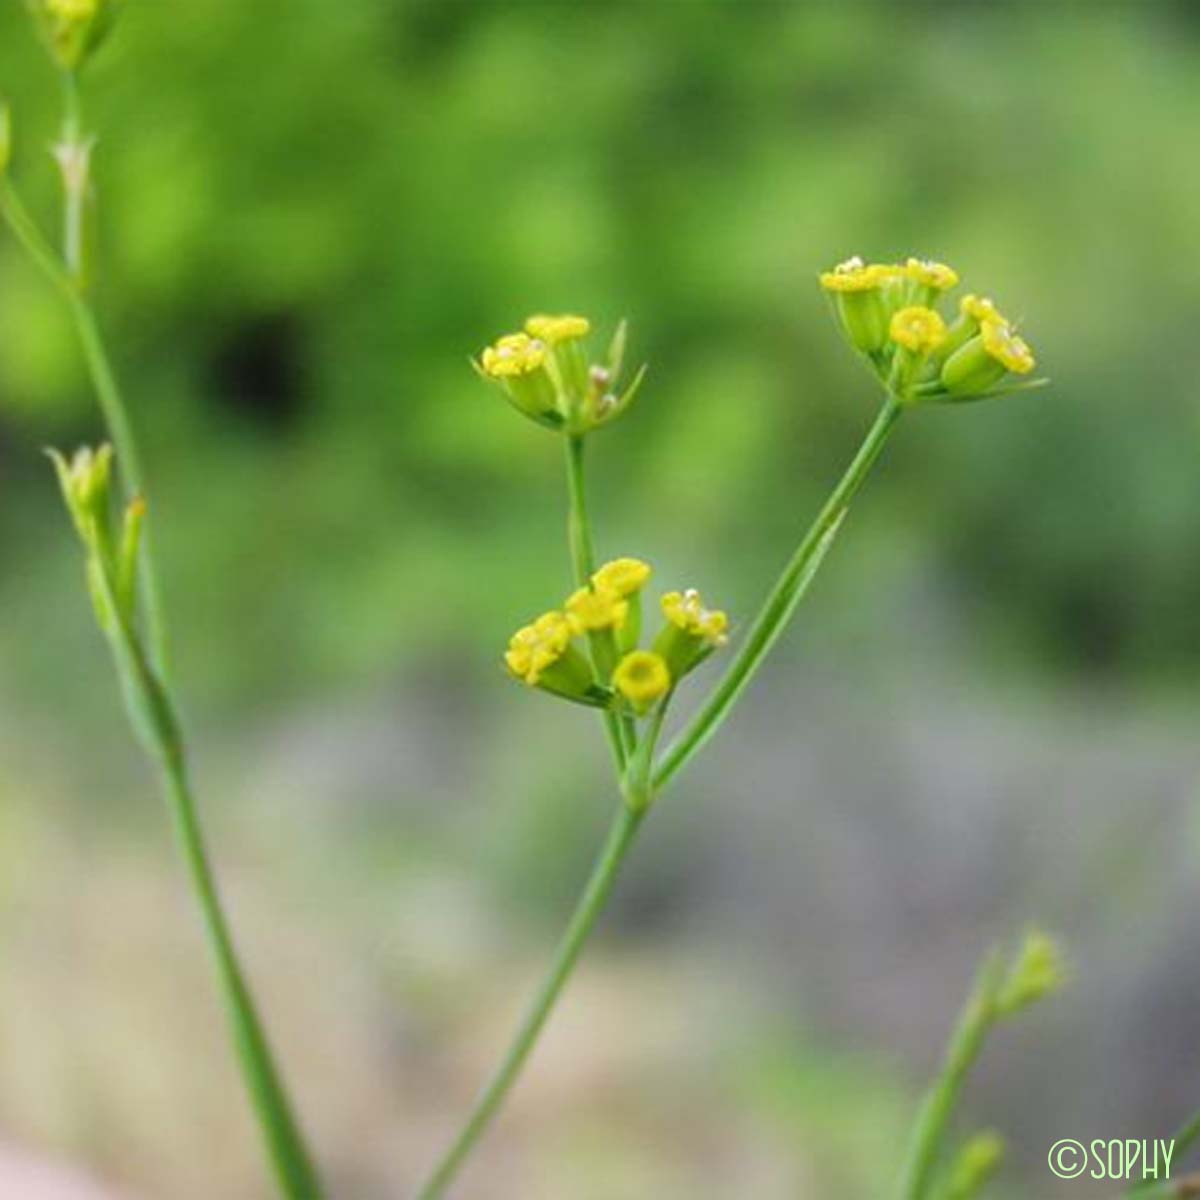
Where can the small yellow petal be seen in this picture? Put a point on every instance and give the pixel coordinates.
(557, 329)
(513, 354)
(686, 611)
(1005, 347)
(931, 274)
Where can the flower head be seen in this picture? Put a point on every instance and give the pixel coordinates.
(686, 611)
(536, 647)
(854, 275)
(592, 609)
(513, 354)
(642, 677)
(917, 328)
(625, 576)
(1005, 347)
(930, 274)
(552, 330)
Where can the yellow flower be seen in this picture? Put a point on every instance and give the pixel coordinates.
(625, 576)
(642, 677)
(557, 329)
(918, 329)
(1005, 347)
(536, 647)
(931, 274)
(513, 354)
(980, 308)
(854, 275)
(686, 611)
(592, 609)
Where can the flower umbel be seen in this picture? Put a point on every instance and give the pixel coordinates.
(547, 373)
(890, 314)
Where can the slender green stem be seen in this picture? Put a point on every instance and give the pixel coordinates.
(73, 163)
(974, 1023)
(154, 719)
(621, 835)
(289, 1156)
(789, 589)
(583, 564)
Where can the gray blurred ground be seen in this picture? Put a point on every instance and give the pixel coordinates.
(784, 958)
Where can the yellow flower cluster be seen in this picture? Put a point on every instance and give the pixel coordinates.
(889, 312)
(606, 614)
(546, 372)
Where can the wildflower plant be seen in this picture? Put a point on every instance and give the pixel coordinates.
(595, 649)
(613, 642)
(119, 563)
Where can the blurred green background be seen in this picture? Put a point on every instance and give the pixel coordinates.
(309, 216)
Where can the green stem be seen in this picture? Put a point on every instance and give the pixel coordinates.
(583, 564)
(155, 722)
(289, 1156)
(977, 1018)
(75, 179)
(621, 835)
(789, 589)
(108, 394)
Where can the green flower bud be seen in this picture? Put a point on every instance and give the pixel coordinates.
(1037, 971)
(86, 481)
(72, 29)
(974, 1166)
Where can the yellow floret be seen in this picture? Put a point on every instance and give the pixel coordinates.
(557, 329)
(642, 677)
(1005, 347)
(623, 576)
(686, 611)
(918, 329)
(591, 609)
(854, 275)
(534, 648)
(980, 308)
(513, 354)
(931, 274)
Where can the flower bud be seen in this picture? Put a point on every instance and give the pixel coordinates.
(72, 29)
(517, 363)
(642, 677)
(861, 296)
(980, 363)
(86, 481)
(541, 655)
(974, 1166)
(692, 632)
(916, 331)
(626, 577)
(927, 280)
(1037, 971)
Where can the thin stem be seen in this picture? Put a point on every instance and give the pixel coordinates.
(583, 564)
(289, 1156)
(974, 1023)
(788, 591)
(153, 716)
(73, 162)
(621, 835)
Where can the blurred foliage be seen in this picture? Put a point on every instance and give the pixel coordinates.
(311, 214)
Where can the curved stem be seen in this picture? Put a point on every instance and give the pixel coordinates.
(583, 563)
(976, 1020)
(621, 835)
(789, 589)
